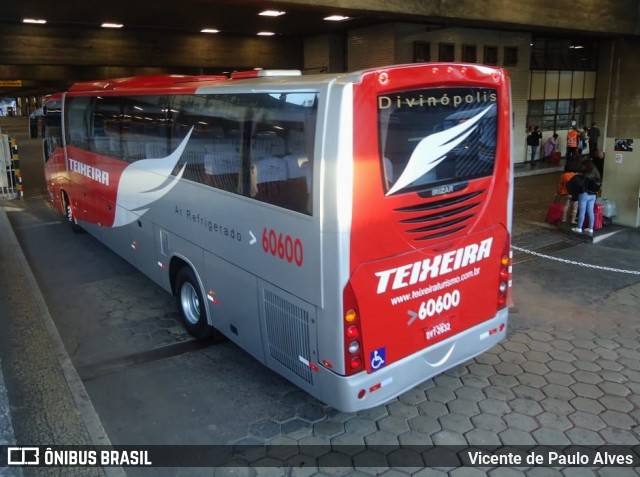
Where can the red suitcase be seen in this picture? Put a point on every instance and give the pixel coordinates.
(554, 213)
(598, 214)
(555, 157)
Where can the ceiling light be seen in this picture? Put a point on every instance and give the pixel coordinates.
(271, 13)
(265, 33)
(336, 18)
(112, 25)
(209, 30)
(37, 21)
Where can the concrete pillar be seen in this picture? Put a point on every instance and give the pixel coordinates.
(621, 128)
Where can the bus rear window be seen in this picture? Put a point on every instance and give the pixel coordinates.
(436, 136)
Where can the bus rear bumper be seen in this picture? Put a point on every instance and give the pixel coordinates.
(364, 391)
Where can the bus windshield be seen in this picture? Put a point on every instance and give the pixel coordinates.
(437, 136)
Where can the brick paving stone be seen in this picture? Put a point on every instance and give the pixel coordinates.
(471, 393)
(413, 397)
(455, 422)
(381, 438)
(521, 421)
(614, 388)
(528, 392)
(526, 406)
(414, 438)
(618, 472)
(424, 424)
(586, 354)
(618, 419)
(550, 437)
(475, 381)
(488, 358)
(448, 438)
(586, 437)
(494, 406)
(449, 382)
(539, 335)
(587, 420)
(515, 346)
(588, 377)
(540, 346)
(587, 390)
(532, 380)
(513, 357)
(579, 472)
(616, 403)
(606, 353)
(544, 472)
(555, 377)
(561, 366)
(465, 407)
(506, 381)
(516, 437)
(562, 344)
(433, 409)
(557, 406)
(538, 356)
(484, 370)
(374, 413)
(401, 410)
(554, 421)
(481, 437)
(328, 428)
(591, 406)
(442, 395)
(499, 393)
(489, 422)
(370, 461)
(562, 355)
(586, 365)
(535, 367)
(613, 376)
(393, 424)
(360, 426)
(615, 436)
(555, 391)
(508, 369)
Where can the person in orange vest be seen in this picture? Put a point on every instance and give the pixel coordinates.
(573, 136)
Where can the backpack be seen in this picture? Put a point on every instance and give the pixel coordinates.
(592, 186)
(530, 139)
(576, 186)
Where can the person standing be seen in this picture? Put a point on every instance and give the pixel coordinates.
(533, 140)
(587, 197)
(573, 136)
(594, 135)
(550, 146)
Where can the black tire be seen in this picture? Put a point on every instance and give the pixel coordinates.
(192, 306)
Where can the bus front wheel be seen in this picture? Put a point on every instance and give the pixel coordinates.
(192, 305)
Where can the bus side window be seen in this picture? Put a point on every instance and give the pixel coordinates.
(270, 168)
(299, 169)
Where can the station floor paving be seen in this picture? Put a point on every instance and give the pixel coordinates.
(567, 375)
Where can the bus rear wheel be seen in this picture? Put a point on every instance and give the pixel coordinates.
(192, 305)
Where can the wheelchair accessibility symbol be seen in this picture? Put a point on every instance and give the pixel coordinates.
(377, 358)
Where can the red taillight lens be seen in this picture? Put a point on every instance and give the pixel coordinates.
(352, 331)
(355, 363)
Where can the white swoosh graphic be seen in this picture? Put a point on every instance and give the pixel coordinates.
(433, 149)
(444, 359)
(144, 182)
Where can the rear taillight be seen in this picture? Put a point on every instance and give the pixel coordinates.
(504, 277)
(352, 334)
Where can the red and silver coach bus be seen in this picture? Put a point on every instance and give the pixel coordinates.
(350, 231)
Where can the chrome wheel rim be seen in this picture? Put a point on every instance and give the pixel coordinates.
(190, 303)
